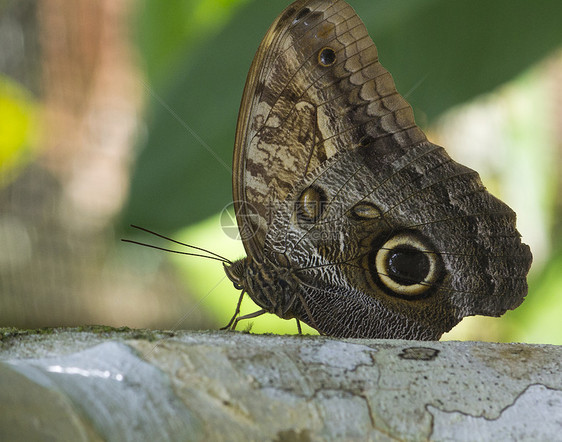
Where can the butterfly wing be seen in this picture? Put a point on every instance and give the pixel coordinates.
(295, 113)
(387, 235)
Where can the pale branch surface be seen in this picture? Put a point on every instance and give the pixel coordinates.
(105, 384)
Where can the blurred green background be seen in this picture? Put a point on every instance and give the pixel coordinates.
(123, 111)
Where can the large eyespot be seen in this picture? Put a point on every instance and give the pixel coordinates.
(326, 57)
(310, 204)
(407, 266)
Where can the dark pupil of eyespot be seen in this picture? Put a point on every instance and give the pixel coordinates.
(327, 57)
(366, 140)
(302, 13)
(407, 266)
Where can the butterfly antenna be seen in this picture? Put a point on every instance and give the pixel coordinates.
(214, 256)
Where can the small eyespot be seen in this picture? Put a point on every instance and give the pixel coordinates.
(407, 266)
(365, 211)
(303, 12)
(326, 57)
(310, 205)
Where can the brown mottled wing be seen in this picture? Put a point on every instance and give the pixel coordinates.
(321, 120)
(295, 116)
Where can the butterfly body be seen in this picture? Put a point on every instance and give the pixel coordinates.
(271, 287)
(353, 222)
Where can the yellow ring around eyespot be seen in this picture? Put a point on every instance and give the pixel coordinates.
(333, 53)
(381, 260)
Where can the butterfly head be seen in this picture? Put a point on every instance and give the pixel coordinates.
(236, 272)
(273, 288)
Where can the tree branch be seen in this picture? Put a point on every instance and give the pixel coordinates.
(106, 384)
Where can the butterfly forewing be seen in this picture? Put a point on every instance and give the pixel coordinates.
(296, 113)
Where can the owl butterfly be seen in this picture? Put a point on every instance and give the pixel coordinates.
(352, 221)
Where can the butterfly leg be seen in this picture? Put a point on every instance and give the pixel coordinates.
(299, 326)
(236, 312)
(248, 316)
